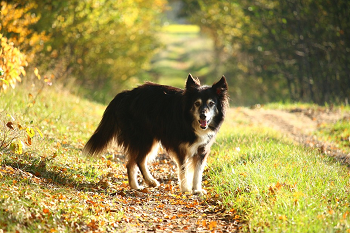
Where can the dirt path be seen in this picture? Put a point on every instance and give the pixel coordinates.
(299, 124)
(166, 209)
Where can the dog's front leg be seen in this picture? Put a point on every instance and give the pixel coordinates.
(185, 177)
(199, 161)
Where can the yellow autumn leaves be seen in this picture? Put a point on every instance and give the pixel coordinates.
(13, 136)
(17, 21)
(12, 62)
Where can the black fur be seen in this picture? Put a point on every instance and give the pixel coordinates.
(137, 119)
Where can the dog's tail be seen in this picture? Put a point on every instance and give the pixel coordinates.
(105, 132)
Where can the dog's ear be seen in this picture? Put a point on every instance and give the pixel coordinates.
(192, 83)
(220, 87)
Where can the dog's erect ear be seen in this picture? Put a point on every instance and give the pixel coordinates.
(220, 86)
(192, 83)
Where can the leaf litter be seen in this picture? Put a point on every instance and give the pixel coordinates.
(109, 205)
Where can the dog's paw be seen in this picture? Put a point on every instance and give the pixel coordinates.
(199, 192)
(153, 183)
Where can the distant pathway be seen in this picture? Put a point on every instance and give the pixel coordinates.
(299, 125)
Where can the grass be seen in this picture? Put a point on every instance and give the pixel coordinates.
(181, 29)
(276, 185)
(337, 133)
(301, 105)
(50, 187)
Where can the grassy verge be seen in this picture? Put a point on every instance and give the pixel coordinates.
(336, 132)
(46, 185)
(278, 186)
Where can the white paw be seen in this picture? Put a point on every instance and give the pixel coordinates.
(137, 187)
(185, 189)
(200, 192)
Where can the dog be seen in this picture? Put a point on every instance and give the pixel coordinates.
(184, 122)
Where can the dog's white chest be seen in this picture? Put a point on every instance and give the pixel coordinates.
(202, 140)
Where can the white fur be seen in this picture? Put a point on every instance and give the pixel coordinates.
(190, 173)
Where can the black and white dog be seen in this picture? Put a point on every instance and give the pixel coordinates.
(185, 122)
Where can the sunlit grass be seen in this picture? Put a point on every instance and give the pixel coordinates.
(276, 185)
(50, 186)
(335, 132)
(338, 133)
(181, 28)
(302, 105)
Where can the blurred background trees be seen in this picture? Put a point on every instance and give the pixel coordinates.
(292, 50)
(100, 43)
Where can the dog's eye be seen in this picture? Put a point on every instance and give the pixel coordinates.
(211, 103)
(197, 103)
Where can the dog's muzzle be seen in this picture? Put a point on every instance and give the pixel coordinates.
(203, 122)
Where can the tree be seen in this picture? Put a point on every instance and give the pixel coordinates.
(18, 42)
(100, 43)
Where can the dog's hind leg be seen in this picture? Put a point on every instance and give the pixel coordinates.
(142, 161)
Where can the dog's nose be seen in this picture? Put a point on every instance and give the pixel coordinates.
(202, 116)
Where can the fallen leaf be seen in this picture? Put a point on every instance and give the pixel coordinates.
(212, 225)
(30, 132)
(46, 211)
(10, 125)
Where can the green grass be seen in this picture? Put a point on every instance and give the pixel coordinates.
(337, 133)
(276, 185)
(301, 105)
(50, 186)
(181, 29)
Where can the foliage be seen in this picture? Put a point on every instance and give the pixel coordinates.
(15, 23)
(12, 63)
(18, 42)
(100, 44)
(15, 137)
(293, 50)
(185, 51)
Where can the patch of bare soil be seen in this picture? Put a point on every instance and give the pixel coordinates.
(299, 124)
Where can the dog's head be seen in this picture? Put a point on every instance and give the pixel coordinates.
(207, 104)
